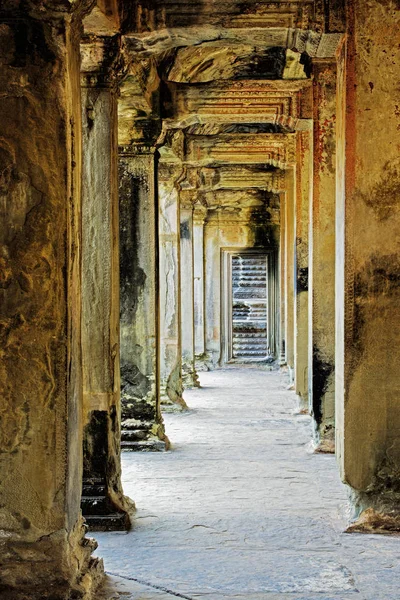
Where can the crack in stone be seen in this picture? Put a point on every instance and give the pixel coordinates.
(151, 585)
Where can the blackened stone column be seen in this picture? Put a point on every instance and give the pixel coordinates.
(142, 425)
(368, 263)
(322, 258)
(189, 375)
(170, 291)
(103, 503)
(44, 552)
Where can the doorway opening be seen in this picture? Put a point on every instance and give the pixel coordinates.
(249, 306)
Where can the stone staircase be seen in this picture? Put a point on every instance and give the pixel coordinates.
(249, 308)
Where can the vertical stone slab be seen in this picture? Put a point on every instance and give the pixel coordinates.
(282, 278)
(142, 425)
(170, 290)
(214, 239)
(189, 375)
(199, 216)
(40, 300)
(367, 257)
(103, 503)
(303, 199)
(322, 257)
(290, 240)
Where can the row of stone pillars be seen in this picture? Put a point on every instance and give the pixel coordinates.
(157, 262)
(158, 310)
(308, 260)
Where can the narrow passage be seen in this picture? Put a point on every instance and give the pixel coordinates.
(241, 509)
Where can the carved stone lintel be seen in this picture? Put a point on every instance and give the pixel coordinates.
(136, 149)
(102, 63)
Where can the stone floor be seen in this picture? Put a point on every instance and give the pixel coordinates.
(241, 508)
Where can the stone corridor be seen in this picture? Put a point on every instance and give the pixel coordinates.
(242, 508)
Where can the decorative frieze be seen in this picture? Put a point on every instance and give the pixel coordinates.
(252, 102)
(268, 149)
(169, 14)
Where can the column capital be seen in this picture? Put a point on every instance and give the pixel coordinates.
(136, 149)
(200, 211)
(102, 62)
(324, 71)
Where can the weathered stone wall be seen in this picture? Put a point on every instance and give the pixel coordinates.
(367, 281)
(41, 378)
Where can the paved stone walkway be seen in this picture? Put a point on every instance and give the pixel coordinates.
(241, 509)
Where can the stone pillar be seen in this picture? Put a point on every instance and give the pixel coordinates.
(282, 278)
(189, 375)
(44, 552)
(303, 198)
(213, 290)
(368, 263)
(199, 217)
(322, 258)
(170, 291)
(289, 270)
(103, 503)
(142, 426)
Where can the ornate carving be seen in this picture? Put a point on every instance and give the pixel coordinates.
(102, 63)
(233, 13)
(273, 149)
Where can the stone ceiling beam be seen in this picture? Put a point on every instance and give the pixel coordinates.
(273, 149)
(166, 14)
(299, 40)
(234, 177)
(278, 102)
(234, 203)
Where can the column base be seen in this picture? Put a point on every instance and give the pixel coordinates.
(100, 512)
(324, 438)
(103, 504)
(190, 379)
(171, 399)
(302, 405)
(172, 406)
(203, 362)
(60, 566)
(154, 445)
(375, 512)
(324, 447)
(139, 436)
(371, 521)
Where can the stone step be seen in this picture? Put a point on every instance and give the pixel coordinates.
(112, 522)
(143, 446)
